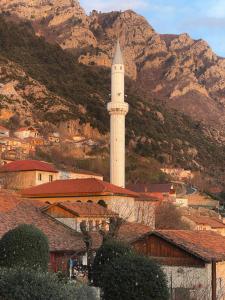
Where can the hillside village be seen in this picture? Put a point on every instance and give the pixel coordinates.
(167, 234)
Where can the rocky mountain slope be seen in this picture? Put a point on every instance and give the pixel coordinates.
(185, 73)
(43, 82)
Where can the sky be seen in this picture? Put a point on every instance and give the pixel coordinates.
(199, 18)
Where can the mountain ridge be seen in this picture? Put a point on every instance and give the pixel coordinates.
(160, 132)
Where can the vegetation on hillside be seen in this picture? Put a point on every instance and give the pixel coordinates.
(153, 131)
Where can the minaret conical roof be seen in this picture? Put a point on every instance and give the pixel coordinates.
(118, 57)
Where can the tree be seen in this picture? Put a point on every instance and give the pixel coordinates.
(134, 277)
(20, 284)
(168, 216)
(24, 246)
(109, 250)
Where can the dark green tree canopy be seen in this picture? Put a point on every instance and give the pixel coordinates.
(24, 246)
(27, 284)
(134, 277)
(109, 250)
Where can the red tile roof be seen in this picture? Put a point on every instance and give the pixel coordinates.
(75, 187)
(3, 129)
(152, 188)
(8, 200)
(206, 245)
(28, 165)
(205, 220)
(25, 129)
(60, 237)
(84, 209)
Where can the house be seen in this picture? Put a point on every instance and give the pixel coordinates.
(197, 200)
(193, 261)
(4, 132)
(54, 137)
(199, 222)
(22, 174)
(26, 132)
(115, 198)
(162, 191)
(93, 215)
(64, 241)
(79, 174)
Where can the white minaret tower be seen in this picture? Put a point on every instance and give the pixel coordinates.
(117, 109)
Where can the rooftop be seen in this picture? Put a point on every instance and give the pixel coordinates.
(3, 129)
(28, 165)
(206, 245)
(206, 220)
(60, 237)
(77, 187)
(151, 188)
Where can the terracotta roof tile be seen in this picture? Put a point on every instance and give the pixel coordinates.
(152, 188)
(8, 200)
(206, 245)
(28, 165)
(60, 237)
(3, 129)
(88, 186)
(205, 220)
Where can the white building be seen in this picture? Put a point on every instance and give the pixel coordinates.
(4, 132)
(26, 132)
(118, 109)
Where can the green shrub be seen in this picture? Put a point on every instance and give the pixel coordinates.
(21, 284)
(106, 253)
(24, 246)
(134, 277)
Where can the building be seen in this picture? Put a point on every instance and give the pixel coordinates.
(198, 222)
(160, 191)
(197, 200)
(117, 109)
(4, 132)
(93, 215)
(79, 174)
(22, 174)
(193, 261)
(115, 198)
(26, 132)
(64, 241)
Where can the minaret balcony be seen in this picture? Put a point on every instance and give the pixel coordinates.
(118, 108)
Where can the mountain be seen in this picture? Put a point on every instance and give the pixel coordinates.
(174, 84)
(185, 73)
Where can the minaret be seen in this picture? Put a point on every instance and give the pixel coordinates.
(117, 109)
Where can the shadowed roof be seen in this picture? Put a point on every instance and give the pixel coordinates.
(28, 165)
(76, 187)
(206, 245)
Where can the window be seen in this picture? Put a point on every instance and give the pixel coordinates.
(50, 178)
(40, 177)
(102, 203)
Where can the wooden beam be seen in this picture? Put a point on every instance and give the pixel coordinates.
(213, 280)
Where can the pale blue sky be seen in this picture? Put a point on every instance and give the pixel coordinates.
(200, 18)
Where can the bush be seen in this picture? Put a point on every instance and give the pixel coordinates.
(24, 246)
(106, 253)
(20, 284)
(134, 277)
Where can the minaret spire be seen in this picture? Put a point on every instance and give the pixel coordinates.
(118, 57)
(117, 109)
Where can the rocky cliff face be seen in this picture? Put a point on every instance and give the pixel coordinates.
(183, 72)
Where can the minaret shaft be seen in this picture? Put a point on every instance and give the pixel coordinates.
(118, 109)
